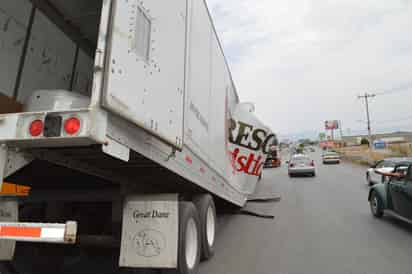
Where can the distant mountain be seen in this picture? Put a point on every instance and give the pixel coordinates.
(314, 135)
(309, 134)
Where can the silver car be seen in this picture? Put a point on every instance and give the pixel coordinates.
(330, 157)
(301, 164)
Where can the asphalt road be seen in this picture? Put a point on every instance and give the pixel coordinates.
(323, 225)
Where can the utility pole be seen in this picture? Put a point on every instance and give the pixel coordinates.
(366, 96)
(340, 129)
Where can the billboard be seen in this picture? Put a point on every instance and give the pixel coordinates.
(332, 124)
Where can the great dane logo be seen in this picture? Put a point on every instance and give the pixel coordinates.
(149, 243)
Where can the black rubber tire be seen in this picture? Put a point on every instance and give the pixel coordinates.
(187, 211)
(313, 174)
(378, 213)
(203, 203)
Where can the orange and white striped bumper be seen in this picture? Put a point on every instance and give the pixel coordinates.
(39, 232)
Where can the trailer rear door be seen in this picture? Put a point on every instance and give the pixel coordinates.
(145, 70)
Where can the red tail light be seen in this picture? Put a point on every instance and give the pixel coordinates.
(312, 163)
(72, 125)
(36, 128)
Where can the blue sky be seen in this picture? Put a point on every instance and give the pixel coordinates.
(305, 61)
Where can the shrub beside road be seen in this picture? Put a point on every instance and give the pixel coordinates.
(363, 155)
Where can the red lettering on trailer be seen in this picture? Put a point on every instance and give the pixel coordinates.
(189, 160)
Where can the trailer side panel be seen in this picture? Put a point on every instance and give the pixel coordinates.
(146, 64)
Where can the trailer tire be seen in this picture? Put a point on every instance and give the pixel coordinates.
(189, 239)
(207, 213)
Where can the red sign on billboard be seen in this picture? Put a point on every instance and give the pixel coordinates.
(333, 124)
(327, 144)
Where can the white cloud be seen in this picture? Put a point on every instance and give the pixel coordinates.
(304, 61)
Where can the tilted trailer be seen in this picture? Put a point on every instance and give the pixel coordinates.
(119, 120)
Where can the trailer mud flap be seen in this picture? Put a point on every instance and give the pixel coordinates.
(8, 213)
(150, 231)
(259, 209)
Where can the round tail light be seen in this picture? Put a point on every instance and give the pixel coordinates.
(72, 126)
(36, 128)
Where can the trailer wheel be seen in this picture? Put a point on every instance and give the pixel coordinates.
(207, 213)
(189, 239)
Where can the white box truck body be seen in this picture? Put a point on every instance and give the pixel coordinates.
(120, 101)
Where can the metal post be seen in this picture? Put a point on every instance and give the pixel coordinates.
(366, 97)
(368, 117)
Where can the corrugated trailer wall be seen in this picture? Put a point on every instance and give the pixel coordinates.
(36, 54)
(14, 22)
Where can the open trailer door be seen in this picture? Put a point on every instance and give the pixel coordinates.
(145, 69)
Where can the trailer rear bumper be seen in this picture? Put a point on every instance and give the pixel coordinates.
(15, 129)
(11, 230)
(39, 232)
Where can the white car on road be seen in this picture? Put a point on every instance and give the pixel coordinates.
(301, 164)
(374, 174)
(330, 157)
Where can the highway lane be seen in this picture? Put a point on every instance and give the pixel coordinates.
(323, 226)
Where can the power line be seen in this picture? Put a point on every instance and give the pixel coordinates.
(401, 88)
(406, 118)
(367, 96)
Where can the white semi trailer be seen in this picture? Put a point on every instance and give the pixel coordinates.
(119, 121)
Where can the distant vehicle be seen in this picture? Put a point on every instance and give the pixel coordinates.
(394, 197)
(273, 158)
(374, 174)
(311, 149)
(272, 162)
(301, 164)
(330, 157)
